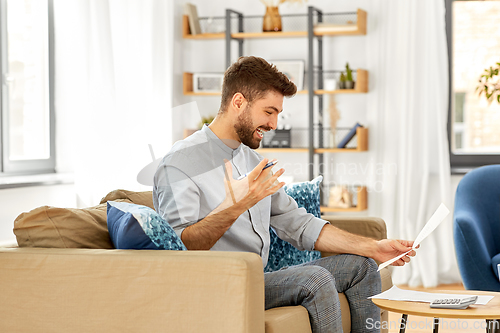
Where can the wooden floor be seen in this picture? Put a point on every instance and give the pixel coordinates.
(418, 324)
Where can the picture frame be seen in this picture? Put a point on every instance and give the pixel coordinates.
(293, 69)
(207, 82)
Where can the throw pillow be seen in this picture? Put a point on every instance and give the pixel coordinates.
(144, 198)
(283, 254)
(139, 227)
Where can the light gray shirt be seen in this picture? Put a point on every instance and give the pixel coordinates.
(189, 184)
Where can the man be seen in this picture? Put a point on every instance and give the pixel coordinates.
(212, 189)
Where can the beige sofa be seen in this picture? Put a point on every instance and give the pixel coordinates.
(57, 285)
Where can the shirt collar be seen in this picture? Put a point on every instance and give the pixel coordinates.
(211, 135)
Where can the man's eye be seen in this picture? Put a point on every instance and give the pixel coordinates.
(269, 113)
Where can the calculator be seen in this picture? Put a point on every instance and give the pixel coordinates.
(453, 303)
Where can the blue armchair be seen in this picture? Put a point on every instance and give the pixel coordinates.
(476, 228)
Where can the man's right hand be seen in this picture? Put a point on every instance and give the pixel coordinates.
(250, 190)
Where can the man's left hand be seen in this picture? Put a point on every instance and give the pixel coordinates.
(390, 248)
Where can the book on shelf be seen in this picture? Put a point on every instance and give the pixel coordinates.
(352, 132)
(327, 27)
(192, 13)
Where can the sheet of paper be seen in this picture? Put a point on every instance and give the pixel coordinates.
(436, 218)
(397, 294)
(388, 262)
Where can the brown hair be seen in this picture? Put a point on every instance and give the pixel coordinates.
(254, 77)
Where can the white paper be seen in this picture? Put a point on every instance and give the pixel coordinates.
(388, 262)
(397, 294)
(436, 218)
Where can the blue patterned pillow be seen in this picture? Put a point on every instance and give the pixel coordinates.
(139, 227)
(281, 253)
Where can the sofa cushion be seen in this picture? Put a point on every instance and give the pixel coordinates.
(139, 227)
(64, 228)
(287, 319)
(282, 253)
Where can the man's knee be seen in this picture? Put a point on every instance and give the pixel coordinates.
(371, 264)
(363, 264)
(315, 278)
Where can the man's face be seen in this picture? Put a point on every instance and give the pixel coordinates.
(259, 117)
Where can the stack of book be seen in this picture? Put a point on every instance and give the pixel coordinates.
(194, 23)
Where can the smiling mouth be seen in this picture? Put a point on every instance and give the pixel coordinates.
(260, 132)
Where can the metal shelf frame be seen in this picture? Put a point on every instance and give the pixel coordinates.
(314, 66)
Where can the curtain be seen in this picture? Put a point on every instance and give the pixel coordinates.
(407, 105)
(113, 91)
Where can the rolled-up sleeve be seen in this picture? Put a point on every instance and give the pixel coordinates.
(176, 198)
(294, 224)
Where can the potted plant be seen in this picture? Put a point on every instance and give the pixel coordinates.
(342, 81)
(349, 82)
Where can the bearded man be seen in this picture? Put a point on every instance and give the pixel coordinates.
(214, 191)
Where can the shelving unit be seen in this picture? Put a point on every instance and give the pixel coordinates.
(314, 75)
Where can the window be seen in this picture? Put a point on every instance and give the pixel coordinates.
(473, 45)
(27, 109)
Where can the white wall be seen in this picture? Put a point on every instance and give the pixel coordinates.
(23, 199)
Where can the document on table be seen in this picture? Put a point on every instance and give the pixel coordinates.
(397, 294)
(436, 218)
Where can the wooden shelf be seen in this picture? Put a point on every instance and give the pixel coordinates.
(187, 87)
(186, 32)
(282, 150)
(361, 86)
(362, 138)
(271, 34)
(362, 203)
(360, 27)
(360, 30)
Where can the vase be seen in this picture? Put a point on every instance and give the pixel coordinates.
(271, 20)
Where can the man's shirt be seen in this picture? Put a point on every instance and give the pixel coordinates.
(189, 184)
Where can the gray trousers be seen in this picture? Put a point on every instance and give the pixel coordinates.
(315, 285)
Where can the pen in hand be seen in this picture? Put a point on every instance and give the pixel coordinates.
(268, 165)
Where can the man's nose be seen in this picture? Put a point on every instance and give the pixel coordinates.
(273, 123)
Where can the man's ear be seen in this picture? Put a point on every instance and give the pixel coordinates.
(238, 102)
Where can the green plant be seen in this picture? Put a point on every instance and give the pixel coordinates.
(205, 120)
(489, 83)
(342, 77)
(349, 72)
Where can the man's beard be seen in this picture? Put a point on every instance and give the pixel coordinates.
(245, 130)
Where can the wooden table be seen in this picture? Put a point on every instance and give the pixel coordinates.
(490, 312)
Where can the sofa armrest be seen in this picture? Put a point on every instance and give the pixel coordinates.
(372, 227)
(87, 290)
